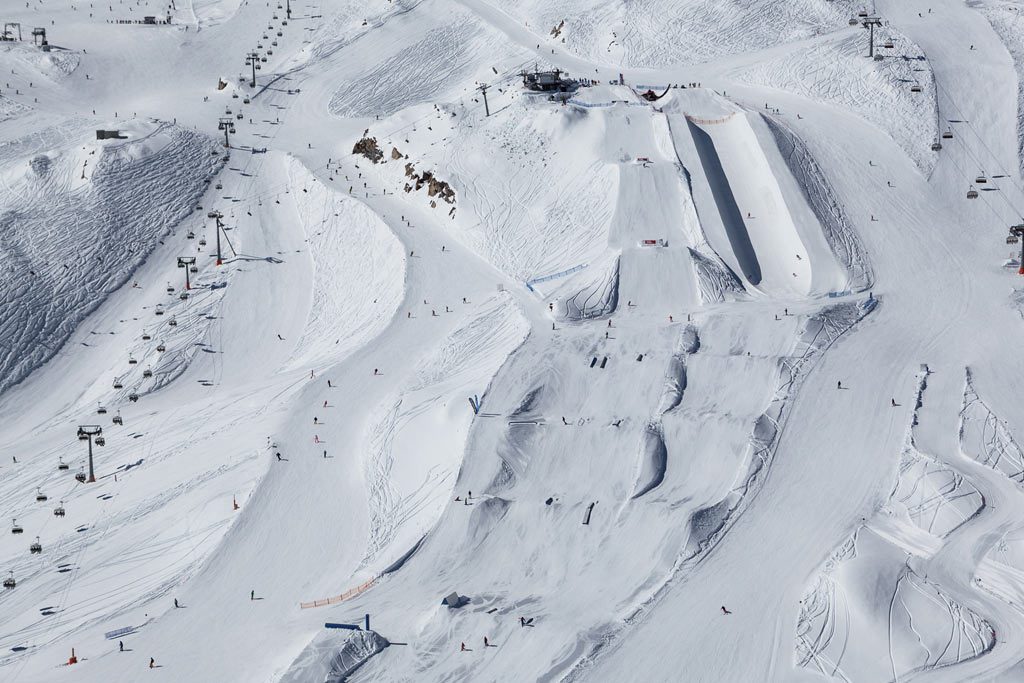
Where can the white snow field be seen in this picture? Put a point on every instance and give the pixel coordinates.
(705, 369)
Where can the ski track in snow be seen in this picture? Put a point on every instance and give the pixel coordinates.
(585, 376)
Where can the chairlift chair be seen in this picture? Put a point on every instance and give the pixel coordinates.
(183, 296)
(879, 57)
(862, 13)
(133, 397)
(159, 310)
(131, 360)
(246, 101)
(36, 548)
(947, 135)
(59, 510)
(936, 146)
(172, 322)
(15, 527)
(889, 45)
(161, 348)
(239, 116)
(274, 43)
(117, 419)
(220, 185)
(145, 336)
(101, 409)
(100, 441)
(284, 22)
(1012, 239)
(270, 52)
(80, 477)
(118, 384)
(191, 235)
(193, 269)
(61, 465)
(280, 34)
(972, 193)
(234, 96)
(980, 180)
(202, 241)
(9, 582)
(915, 88)
(40, 496)
(147, 373)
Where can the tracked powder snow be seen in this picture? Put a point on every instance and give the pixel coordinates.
(506, 340)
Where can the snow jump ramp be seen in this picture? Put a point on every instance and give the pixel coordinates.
(751, 208)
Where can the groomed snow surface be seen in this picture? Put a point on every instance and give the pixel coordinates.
(400, 384)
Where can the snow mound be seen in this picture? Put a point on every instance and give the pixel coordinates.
(334, 656)
(359, 270)
(77, 217)
(869, 616)
(753, 210)
(986, 438)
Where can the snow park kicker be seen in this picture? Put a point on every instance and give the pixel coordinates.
(415, 340)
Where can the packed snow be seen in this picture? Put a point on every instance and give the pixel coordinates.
(467, 340)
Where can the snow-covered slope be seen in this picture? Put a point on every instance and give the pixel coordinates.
(702, 370)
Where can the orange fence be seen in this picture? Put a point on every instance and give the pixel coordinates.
(708, 122)
(351, 593)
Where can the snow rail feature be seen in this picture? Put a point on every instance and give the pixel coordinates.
(351, 593)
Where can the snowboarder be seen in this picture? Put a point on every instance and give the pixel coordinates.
(329, 385)
(316, 438)
(252, 595)
(311, 374)
(839, 384)
(152, 662)
(278, 454)
(376, 371)
(893, 402)
(522, 622)
(462, 648)
(563, 420)
(325, 404)
(120, 644)
(175, 603)
(315, 420)
(725, 611)
(487, 643)
(325, 454)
